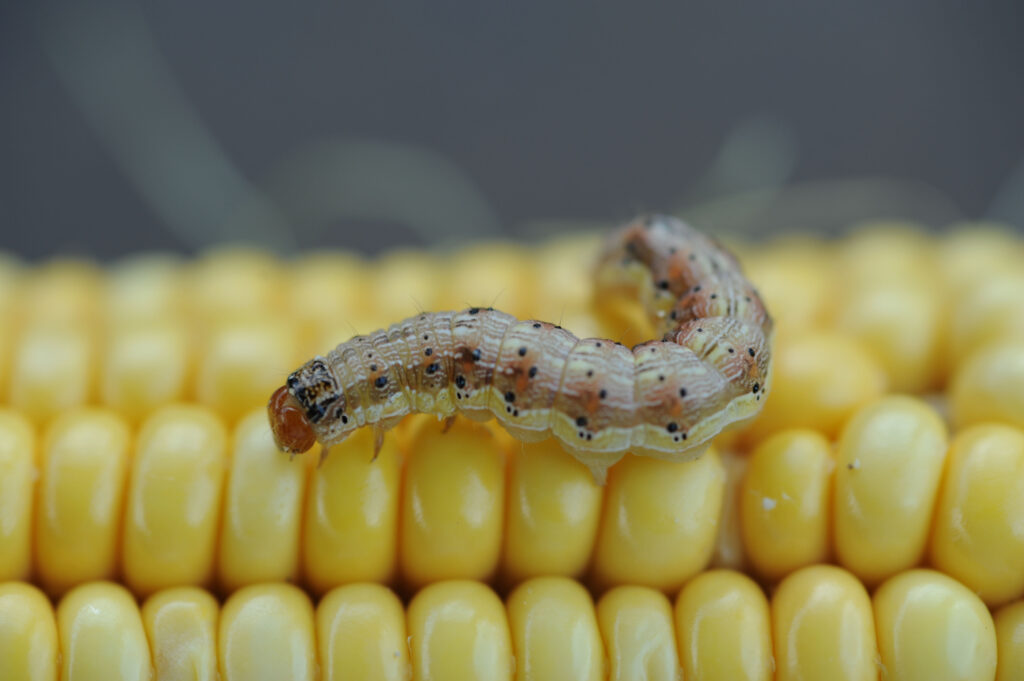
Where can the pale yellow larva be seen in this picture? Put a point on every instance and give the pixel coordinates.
(664, 398)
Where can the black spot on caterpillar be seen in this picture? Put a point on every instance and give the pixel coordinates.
(663, 398)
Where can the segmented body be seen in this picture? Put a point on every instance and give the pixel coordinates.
(665, 398)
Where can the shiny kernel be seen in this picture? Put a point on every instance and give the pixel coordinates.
(350, 521)
(492, 274)
(174, 498)
(818, 379)
(553, 512)
(235, 283)
(730, 552)
(638, 633)
(991, 310)
(555, 634)
(900, 323)
(458, 630)
(453, 504)
(659, 521)
(932, 628)
(101, 635)
(261, 518)
(242, 363)
(52, 369)
(181, 624)
(361, 634)
(79, 499)
(266, 633)
(145, 289)
(989, 386)
(977, 534)
(786, 502)
(889, 461)
(972, 251)
(1009, 622)
(723, 629)
(145, 366)
(823, 627)
(28, 634)
(62, 292)
(17, 489)
(797, 282)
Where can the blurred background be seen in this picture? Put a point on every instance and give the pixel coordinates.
(129, 126)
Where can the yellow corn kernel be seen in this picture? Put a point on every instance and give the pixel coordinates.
(235, 283)
(458, 630)
(453, 503)
(729, 552)
(80, 496)
(900, 323)
(1009, 622)
(555, 633)
(888, 250)
(181, 624)
(144, 289)
(490, 274)
(242, 363)
(350, 521)
(145, 366)
(969, 252)
(17, 489)
(403, 284)
(28, 634)
(888, 465)
(52, 369)
(932, 628)
(174, 497)
(326, 289)
(636, 625)
(101, 635)
(63, 292)
(266, 632)
(564, 264)
(659, 521)
(989, 386)
(786, 502)
(360, 631)
(976, 534)
(797, 281)
(262, 513)
(818, 379)
(823, 627)
(553, 510)
(723, 628)
(990, 311)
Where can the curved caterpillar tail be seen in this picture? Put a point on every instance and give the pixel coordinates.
(664, 398)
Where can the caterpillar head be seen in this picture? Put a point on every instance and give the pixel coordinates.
(293, 433)
(311, 400)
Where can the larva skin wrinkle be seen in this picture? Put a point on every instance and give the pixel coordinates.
(664, 398)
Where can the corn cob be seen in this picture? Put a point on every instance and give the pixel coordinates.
(105, 474)
(820, 623)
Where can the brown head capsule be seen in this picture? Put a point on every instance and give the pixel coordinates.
(292, 430)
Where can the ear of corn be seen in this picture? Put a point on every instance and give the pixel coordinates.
(134, 447)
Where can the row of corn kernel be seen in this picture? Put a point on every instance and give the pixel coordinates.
(820, 624)
(184, 504)
(226, 329)
(920, 304)
(893, 493)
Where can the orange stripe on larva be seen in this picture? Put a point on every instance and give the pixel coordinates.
(664, 398)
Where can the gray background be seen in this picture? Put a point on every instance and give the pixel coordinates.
(137, 126)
